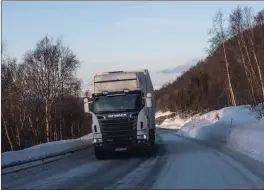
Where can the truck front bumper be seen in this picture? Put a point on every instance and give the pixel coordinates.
(122, 147)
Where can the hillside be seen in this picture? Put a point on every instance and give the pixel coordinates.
(205, 85)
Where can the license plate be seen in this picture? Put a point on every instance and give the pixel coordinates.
(120, 149)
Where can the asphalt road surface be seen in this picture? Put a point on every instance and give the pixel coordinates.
(179, 163)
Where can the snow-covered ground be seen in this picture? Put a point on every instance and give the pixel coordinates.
(159, 114)
(184, 164)
(44, 150)
(174, 122)
(234, 126)
(248, 139)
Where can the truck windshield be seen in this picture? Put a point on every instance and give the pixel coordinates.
(118, 103)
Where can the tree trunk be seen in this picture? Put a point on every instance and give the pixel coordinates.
(72, 132)
(7, 133)
(47, 122)
(246, 71)
(64, 133)
(78, 128)
(233, 100)
(19, 130)
(31, 125)
(258, 67)
(18, 137)
(249, 61)
(61, 137)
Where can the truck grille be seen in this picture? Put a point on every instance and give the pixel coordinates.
(121, 130)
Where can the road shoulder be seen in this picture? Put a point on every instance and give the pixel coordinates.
(254, 166)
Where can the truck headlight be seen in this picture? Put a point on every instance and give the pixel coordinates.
(141, 137)
(97, 140)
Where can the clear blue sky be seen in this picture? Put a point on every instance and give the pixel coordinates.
(116, 35)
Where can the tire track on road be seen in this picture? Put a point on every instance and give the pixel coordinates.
(82, 170)
(144, 175)
(28, 175)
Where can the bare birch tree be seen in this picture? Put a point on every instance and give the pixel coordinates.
(219, 38)
(237, 31)
(50, 71)
(249, 24)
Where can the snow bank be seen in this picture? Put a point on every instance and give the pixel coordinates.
(44, 150)
(248, 139)
(235, 127)
(215, 125)
(174, 123)
(160, 114)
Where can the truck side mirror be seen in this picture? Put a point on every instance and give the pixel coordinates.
(86, 105)
(148, 100)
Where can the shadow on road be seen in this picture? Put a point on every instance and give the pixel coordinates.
(175, 144)
(164, 130)
(134, 154)
(180, 146)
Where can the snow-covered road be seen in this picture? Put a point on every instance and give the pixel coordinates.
(180, 163)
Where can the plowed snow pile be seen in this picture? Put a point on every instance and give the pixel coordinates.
(234, 126)
(44, 150)
(160, 114)
(248, 139)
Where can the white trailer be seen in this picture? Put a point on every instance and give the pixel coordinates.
(123, 112)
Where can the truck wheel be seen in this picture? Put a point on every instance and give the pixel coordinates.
(152, 149)
(98, 154)
(153, 140)
(147, 151)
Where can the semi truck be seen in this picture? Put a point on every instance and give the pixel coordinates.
(123, 112)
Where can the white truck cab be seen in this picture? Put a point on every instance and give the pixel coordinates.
(123, 112)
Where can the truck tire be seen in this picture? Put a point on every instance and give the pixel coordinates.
(152, 138)
(152, 149)
(148, 150)
(99, 155)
